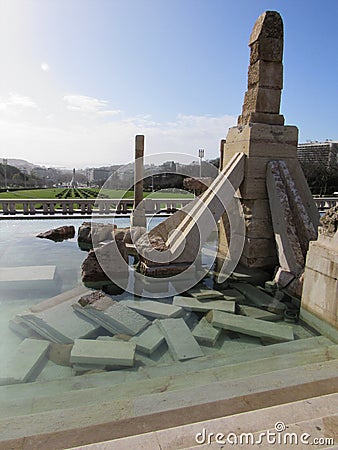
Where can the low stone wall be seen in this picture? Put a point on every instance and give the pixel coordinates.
(320, 290)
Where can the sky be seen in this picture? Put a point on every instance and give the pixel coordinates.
(80, 78)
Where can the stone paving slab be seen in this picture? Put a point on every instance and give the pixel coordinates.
(116, 318)
(233, 295)
(149, 340)
(113, 353)
(60, 323)
(182, 344)
(257, 313)
(194, 304)
(205, 333)
(259, 298)
(153, 309)
(252, 327)
(55, 319)
(73, 294)
(24, 361)
(35, 278)
(27, 273)
(201, 293)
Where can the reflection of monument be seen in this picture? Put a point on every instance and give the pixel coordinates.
(73, 183)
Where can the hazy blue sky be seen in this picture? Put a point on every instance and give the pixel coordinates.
(79, 78)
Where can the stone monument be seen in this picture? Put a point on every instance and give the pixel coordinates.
(280, 214)
(73, 182)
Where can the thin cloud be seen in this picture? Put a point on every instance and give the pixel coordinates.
(112, 142)
(88, 105)
(16, 101)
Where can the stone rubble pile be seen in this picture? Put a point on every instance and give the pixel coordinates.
(91, 331)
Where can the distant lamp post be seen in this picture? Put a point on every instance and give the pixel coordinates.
(201, 156)
(4, 162)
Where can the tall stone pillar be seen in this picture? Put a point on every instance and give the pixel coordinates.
(138, 217)
(262, 136)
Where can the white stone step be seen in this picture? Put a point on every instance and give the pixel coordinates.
(303, 416)
(166, 383)
(116, 377)
(117, 418)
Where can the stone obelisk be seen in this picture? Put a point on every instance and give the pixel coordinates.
(263, 137)
(138, 217)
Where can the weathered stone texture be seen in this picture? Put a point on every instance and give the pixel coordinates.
(262, 99)
(58, 234)
(329, 221)
(103, 263)
(320, 289)
(266, 74)
(268, 25)
(269, 49)
(290, 253)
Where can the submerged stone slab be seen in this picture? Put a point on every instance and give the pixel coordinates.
(257, 313)
(23, 363)
(29, 277)
(149, 340)
(112, 353)
(20, 328)
(182, 344)
(252, 327)
(58, 322)
(202, 293)
(153, 309)
(232, 295)
(193, 304)
(82, 368)
(205, 333)
(259, 298)
(27, 273)
(113, 316)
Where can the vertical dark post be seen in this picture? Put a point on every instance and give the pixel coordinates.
(138, 217)
(139, 170)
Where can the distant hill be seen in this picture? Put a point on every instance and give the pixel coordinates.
(20, 164)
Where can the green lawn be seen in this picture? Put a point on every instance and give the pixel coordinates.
(32, 193)
(53, 193)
